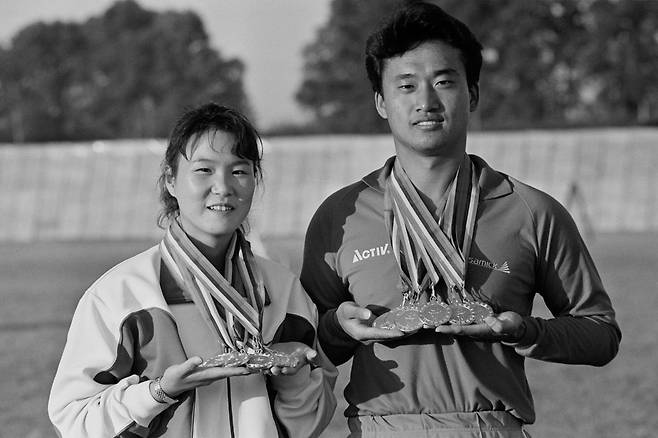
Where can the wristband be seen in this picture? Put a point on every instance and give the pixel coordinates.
(158, 393)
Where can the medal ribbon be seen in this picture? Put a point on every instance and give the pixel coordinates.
(436, 245)
(235, 318)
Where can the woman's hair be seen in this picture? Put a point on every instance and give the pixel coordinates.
(412, 25)
(208, 118)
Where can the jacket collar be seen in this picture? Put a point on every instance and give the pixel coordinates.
(493, 184)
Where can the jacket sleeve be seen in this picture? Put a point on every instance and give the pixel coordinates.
(324, 285)
(85, 400)
(304, 402)
(584, 329)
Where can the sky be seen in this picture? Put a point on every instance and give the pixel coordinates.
(267, 35)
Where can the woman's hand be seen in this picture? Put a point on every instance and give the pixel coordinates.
(182, 377)
(302, 352)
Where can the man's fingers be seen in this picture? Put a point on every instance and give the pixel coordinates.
(464, 330)
(495, 324)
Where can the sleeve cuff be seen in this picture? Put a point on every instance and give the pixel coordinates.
(142, 406)
(333, 327)
(529, 337)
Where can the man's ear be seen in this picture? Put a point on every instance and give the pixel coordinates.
(474, 96)
(380, 105)
(170, 181)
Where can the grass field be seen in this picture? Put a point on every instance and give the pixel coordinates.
(42, 282)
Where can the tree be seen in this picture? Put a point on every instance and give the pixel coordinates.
(546, 63)
(126, 73)
(335, 86)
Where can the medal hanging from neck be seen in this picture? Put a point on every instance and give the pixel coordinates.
(231, 304)
(419, 242)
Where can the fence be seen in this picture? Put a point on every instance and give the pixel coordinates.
(106, 189)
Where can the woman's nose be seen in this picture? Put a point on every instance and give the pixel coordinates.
(220, 185)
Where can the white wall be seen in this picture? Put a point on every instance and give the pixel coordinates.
(106, 189)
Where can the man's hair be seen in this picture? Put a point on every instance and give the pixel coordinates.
(410, 26)
(203, 120)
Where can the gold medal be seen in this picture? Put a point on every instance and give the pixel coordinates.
(281, 359)
(480, 311)
(408, 319)
(461, 314)
(216, 361)
(260, 361)
(386, 320)
(435, 313)
(226, 360)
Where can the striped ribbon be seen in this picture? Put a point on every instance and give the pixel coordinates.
(419, 241)
(234, 317)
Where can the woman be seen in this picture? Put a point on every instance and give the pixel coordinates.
(141, 354)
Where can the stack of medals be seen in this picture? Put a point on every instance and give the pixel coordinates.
(256, 360)
(418, 241)
(234, 317)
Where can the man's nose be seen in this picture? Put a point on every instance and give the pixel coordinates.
(428, 100)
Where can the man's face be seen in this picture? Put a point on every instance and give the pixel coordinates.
(426, 100)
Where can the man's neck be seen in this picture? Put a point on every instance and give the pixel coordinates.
(431, 175)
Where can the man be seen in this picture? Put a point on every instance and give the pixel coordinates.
(453, 244)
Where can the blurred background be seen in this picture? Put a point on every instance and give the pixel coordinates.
(90, 90)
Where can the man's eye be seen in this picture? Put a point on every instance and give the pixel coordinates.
(444, 83)
(406, 87)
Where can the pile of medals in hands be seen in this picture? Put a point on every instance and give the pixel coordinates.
(459, 308)
(257, 359)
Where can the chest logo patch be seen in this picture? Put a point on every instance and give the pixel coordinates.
(504, 268)
(363, 254)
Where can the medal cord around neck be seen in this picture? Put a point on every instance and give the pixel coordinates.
(221, 305)
(434, 245)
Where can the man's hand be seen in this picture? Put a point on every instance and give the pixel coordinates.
(356, 321)
(507, 326)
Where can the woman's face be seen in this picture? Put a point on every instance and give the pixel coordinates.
(214, 188)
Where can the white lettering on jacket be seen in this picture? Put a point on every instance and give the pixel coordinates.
(363, 254)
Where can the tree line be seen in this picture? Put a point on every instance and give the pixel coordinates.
(129, 72)
(547, 63)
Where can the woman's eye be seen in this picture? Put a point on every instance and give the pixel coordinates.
(202, 170)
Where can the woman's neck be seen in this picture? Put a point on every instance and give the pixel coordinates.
(215, 252)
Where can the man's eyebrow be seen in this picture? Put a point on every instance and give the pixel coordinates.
(446, 71)
(443, 71)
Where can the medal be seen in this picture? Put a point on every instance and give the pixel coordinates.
(226, 360)
(216, 361)
(461, 314)
(281, 359)
(480, 311)
(385, 321)
(260, 361)
(435, 313)
(237, 359)
(408, 319)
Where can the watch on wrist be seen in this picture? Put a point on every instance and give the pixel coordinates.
(158, 393)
